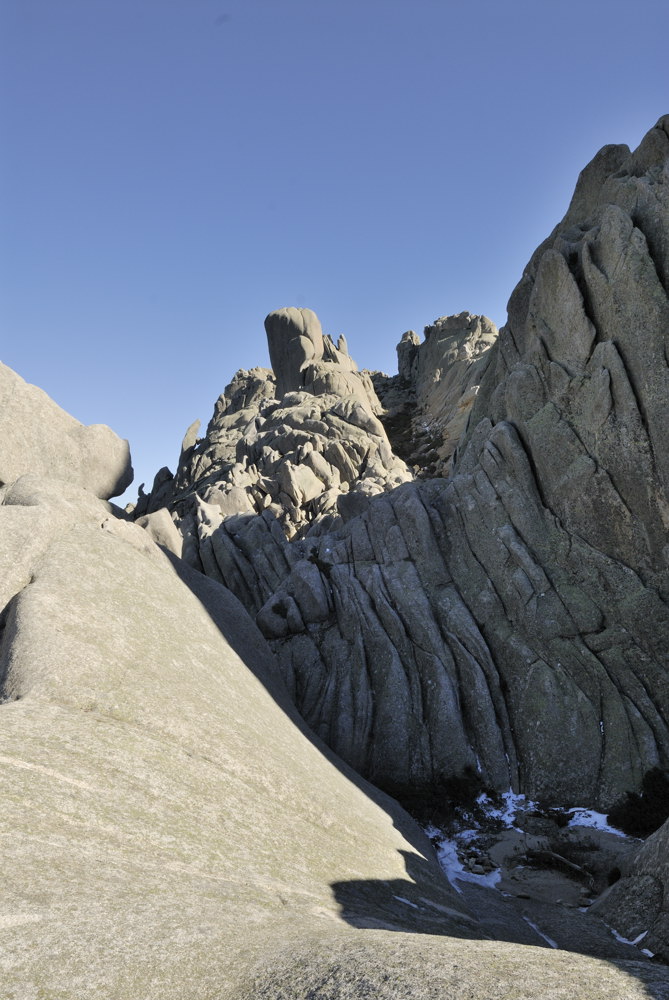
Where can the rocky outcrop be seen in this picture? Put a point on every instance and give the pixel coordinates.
(451, 363)
(303, 358)
(171, 828)
(637, 905)
(38, 437)
(426, 406)
(514, 617)
(523, 619)
(563, 482)
(296, 460)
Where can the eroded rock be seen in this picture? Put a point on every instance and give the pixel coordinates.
(515, 617)
(38, 437)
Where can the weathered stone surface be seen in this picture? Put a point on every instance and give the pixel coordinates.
(38, 437)
(637, 906)
(162, 529)
(304, 359)
(407, 357)
(291, 459)
(419, 967)
(426, 406)
(164, 808)
(294, 338)
(451, 363)
(171, 829)
(515, 617)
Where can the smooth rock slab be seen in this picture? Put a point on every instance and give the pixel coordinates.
(162, 802)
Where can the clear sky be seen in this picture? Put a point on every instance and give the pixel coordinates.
(172, 170)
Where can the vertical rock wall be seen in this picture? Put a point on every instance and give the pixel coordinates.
(515, 617)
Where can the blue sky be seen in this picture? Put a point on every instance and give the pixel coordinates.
(172, 170)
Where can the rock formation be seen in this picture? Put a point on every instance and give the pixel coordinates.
(637, 905)
(427, 404)
(174, 692)
(513, 618)
(293, 456)
(171, 828)
(303, 358)
(40, 438)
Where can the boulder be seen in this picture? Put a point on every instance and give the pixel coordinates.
(294, 338)
(38, 437)
(303, 358)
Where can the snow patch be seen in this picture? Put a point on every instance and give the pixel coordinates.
(447, 853)
(636, 941)
(541, 934)
(595, 820)
(401, 899)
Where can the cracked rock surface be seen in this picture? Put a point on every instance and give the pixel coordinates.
(514, 617)
(171, 825)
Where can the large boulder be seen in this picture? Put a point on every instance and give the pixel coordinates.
(304, 358)
(295, 339)
(38, 437)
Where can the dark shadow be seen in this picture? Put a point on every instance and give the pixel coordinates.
(424, 902)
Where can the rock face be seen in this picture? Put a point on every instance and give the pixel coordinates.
(38, 437)
(171, 828)
(426, 406)
(153, 765)
(515, 617)
(637, 905)
(563, 476)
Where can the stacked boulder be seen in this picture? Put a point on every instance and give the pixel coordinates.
(287, 455)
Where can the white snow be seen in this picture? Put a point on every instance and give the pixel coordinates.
(504, 813)
(401, 899)
(447, 853)
(541, 934)
(636, 941)
(596, 820)
(512, 803)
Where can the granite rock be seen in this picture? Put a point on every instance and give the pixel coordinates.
(515, 617)
(38, 437)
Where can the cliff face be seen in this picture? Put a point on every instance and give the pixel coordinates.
(565, 464)
(514, 617)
